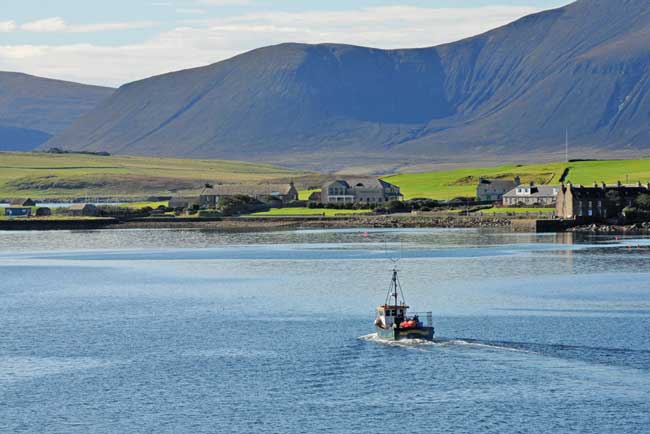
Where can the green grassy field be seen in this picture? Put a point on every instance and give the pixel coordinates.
(462, 182)
(310, 212)
(610, 171)
(74, 175)
(152, 205)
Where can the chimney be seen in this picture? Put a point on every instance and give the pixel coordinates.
(603, 185)
(618, 184)
(517, 181)
(532, 183)
(595, 184)
(639, 184)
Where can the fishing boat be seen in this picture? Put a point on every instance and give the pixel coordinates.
(394, 322)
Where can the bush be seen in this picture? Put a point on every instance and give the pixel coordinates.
(633, 214)
(397, 206)
(643, 202)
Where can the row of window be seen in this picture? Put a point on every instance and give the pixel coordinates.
(393, 312)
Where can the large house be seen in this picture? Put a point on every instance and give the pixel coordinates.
(359, 190)
(599, 202)
(531, 194)
(492, 190)
(267, 193)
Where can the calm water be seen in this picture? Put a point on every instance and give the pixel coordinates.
(203, 332)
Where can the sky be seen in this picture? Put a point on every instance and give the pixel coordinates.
(112, 42)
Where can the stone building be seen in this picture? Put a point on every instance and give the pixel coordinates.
(494, 189)
(281, 194)
(273, 194)
(83, 209)
(531, 195)
(361, 190)
(599, 202)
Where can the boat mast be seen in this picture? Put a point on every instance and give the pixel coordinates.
(395, 285)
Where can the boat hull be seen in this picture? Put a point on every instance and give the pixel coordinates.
(425, 333)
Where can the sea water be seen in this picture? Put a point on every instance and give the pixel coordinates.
(170, 331)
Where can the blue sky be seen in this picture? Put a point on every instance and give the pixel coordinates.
(117, 41)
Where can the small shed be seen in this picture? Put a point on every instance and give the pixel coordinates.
(83, 209)
(43, 212)
(13, 212)
(183, 202)
(22, 202)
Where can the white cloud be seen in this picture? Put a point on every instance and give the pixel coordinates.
(202, 42)
(7, 26)
(58, 24)
(190, 11)
(54, 24)
(225, 2)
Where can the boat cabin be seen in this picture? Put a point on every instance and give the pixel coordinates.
(389, 314)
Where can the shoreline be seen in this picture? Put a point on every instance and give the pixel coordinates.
(251, 224)
(257, 223)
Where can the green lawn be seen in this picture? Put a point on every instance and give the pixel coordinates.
(310, 212)
(152, 205)
(42, 175)
(609, 171)
(463, 182)
(304, 194)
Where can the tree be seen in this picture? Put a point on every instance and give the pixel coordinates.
(397, 206)
(613, 197)
(642, 201)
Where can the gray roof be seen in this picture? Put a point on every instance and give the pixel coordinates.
(81, 206)
(371, 183)
(20, 201)
(502, 183)
(536, 191)
(249, 189)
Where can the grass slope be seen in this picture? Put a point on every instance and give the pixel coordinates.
(463, 182)
(609, 171)
(75, 175)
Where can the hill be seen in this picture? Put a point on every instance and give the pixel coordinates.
(33, 109)
(462, 182)
(507, 95)
(40, 175)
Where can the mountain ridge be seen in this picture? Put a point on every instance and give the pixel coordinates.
(33, 109)
(514, 89)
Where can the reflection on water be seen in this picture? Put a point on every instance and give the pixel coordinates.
(193, 331)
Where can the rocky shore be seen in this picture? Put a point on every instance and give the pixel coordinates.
(248, 224)
(261, 224)
(634, 229)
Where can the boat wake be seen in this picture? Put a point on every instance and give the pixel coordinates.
(439, 342)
